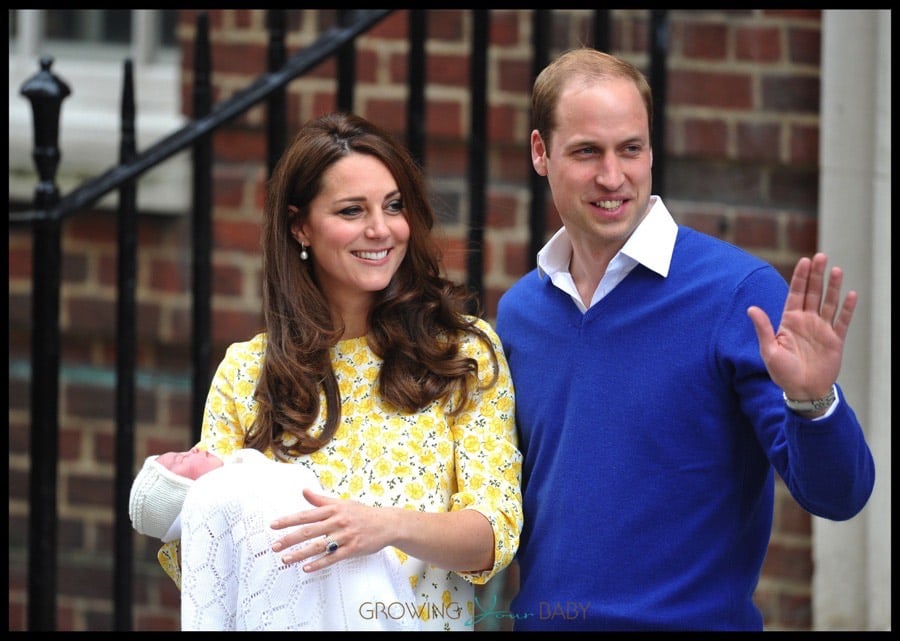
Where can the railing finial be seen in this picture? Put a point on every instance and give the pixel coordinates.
(46, 92)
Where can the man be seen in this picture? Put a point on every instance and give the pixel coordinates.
(651, 390)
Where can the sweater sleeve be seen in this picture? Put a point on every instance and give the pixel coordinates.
(832, 472)
(825, 464)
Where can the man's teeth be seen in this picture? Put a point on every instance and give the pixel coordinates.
(373, 255)
(609, 204)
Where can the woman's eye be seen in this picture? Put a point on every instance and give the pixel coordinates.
(349, 212)
(395, 206)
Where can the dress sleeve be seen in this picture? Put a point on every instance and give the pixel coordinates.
(488, 461)
(168, 559)
(230, 405)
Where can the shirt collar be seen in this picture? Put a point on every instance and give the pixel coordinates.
(651, 244)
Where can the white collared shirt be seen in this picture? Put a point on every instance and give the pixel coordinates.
(651, 245)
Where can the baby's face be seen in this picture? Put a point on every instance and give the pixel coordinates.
(190, 464)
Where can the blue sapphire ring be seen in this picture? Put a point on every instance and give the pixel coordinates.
(331, 546)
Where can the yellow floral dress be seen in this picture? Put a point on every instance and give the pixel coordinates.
(427, 461)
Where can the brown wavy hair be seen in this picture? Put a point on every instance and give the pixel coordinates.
(415, 325)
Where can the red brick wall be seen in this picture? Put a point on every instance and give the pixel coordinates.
(742, 151)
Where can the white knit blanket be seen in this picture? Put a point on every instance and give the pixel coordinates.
(231, 579)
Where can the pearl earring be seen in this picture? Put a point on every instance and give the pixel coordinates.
(303, 253)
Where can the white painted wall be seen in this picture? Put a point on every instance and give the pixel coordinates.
(852, 559)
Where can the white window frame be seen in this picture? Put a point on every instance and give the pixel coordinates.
(90, 117)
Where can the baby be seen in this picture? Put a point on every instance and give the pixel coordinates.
(231, 578)
(159, 490)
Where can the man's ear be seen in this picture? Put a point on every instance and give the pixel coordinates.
(538, 153)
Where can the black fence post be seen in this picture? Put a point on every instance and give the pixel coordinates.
(46, 93)
(537, 207)
(201, 231)
(478, 146)
(276, 106)
(659, 47)
(415, 112)
(126, 345)
(346, 62)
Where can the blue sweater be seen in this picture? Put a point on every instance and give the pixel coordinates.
(650, 430)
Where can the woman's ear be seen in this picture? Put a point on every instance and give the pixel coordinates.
(297, 226)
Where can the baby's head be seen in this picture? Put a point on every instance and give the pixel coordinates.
(190, 464)
(158, 491)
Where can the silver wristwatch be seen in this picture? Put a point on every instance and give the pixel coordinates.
(815, 405)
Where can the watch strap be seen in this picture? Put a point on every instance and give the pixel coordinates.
(814, 405)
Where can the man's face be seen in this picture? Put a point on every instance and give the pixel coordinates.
(599, 162)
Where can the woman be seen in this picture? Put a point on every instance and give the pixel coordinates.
(371, 374)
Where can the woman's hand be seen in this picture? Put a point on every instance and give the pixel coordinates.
(354, 527)
(462, 540)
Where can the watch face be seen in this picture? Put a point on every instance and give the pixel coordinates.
(824, 403)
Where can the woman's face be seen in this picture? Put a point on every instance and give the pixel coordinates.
(356, 231)
(191, 464)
